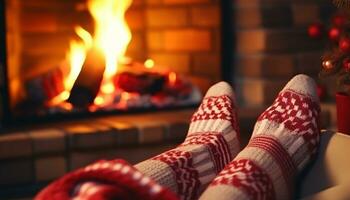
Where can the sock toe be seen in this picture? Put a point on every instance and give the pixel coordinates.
(303, 85)
(217, 112)
(219, 89)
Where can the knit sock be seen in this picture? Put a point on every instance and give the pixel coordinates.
(114, 179)
(284, 140)
(211, 143)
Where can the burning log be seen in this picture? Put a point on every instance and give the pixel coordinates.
(46, 86)
(143, 83)
(88, 83)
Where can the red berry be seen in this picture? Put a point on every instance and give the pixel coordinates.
(334, 33)
(346, 64)
(315, 30)
(339, 20)
(344, 45)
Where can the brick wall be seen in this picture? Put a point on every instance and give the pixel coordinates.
(185, 35)
(272, 45)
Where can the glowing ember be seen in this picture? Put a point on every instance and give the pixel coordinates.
(107, 88)
(125, 96)
(172, 78)
(59, 98)
(99, 101)
(149, 63)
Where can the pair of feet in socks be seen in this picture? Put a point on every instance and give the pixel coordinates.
(284, 139)
(210, 164)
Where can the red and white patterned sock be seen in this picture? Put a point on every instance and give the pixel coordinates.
(285, 138)
(212, 142)
(114, 179)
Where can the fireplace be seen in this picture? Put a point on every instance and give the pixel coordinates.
(81, 58)
(192, 38)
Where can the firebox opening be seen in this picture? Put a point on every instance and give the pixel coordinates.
(108, 56)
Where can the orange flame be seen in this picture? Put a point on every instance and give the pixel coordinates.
(77, 55)
(112, 35)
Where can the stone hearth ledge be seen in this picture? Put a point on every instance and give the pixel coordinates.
(42, 153)
(45, 152)
(97, 133)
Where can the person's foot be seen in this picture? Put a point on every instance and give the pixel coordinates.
(284, 140)
(211, 143)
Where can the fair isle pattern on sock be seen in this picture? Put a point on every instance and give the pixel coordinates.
(215, 108)
(285, 138)
(211, 142)
(246, 175)
(186, 175)
(298, 114)
(218, 114)
(181, 162)
(216, 144)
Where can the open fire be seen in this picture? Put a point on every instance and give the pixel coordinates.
(96, 74)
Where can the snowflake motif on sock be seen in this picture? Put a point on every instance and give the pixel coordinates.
(246, 175)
